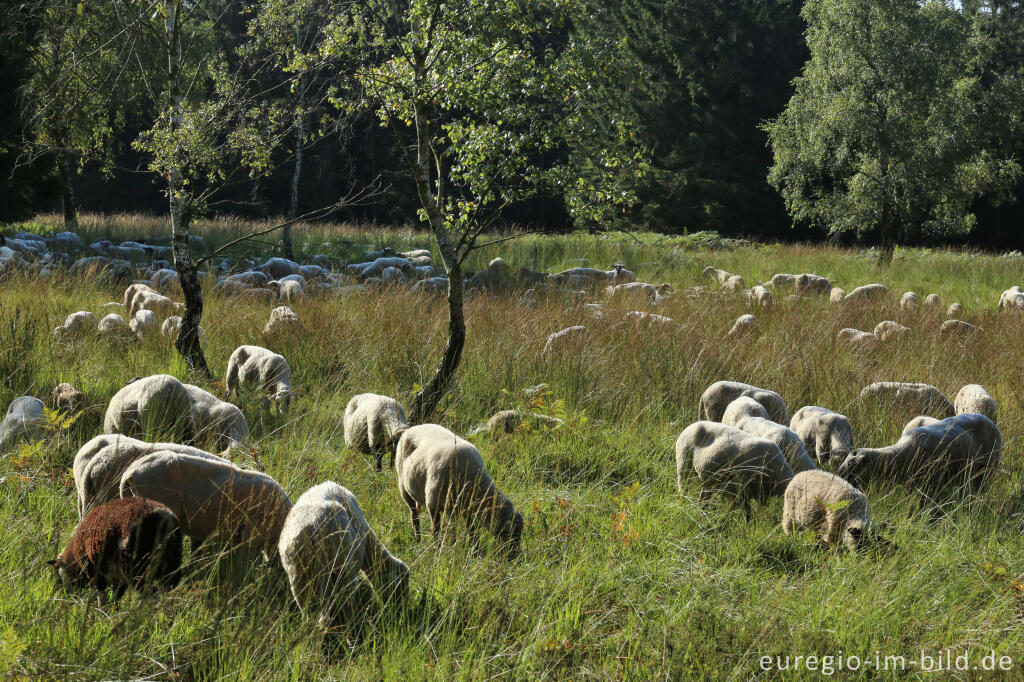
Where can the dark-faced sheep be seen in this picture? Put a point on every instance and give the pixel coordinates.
(817, 500)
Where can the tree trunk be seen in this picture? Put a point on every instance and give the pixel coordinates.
(888, 240)
(187, 343)
(68, 192)
(300, 135)
(427, 399)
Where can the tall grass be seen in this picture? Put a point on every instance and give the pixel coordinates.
(622, 577)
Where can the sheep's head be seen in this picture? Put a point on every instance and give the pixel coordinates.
(833, 458)
(663, 289)
(282, 398)
(512, 533)
(396, 576)
(66, 574)
(858, 467)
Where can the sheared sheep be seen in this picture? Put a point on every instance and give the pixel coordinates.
(263, 369)
(76, 326)
(211, 497)
(744, 324)
(958, 454)
(132, 542)
(373, 425)
(282, 319)
(444, 474)
(732, 462)
(569, 337)
(217, 420)
(890, 329)
(819, 500)
(718, 395)
(324, 546)
(909, 397)
(750, 416)
(825, 433)
(974, 399)
(154, 405)
(859, 340)
(24, 422)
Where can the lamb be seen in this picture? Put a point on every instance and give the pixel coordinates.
(959, 454)
(859, 340)
(890, 329)
(259, 367)
(325, 544)
(571, 336)
(282, 319)
(155, 405)
(744, 325)
(100, 463)
(66, 398)
(825, 433)
(958, 328)
(445, 474)
(911, 397)
(758, 295)
(732, 462)
(76, 326)
(955, 311)
(373, 424)
(867, 293)
(909, 301)
(974, 399)
(113, 325)
(718, 395)
(143, 325)
(133, 542)
(749, 415)
(820, 500)
(836, 295)
(211, 497)
(24, 422)
(1012, 299)
(809, 283)
(219, 420)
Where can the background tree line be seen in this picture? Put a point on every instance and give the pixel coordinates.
(738, 109)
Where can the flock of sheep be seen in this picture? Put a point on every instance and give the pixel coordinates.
(138, 499)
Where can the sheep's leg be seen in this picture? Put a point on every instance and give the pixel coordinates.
(232, 379)
(380, 460)
(414, 514)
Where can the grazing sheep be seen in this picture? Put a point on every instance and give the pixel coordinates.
(836, 295)
(143, 325)
(375, 268)
(744, 325)
(172, 325)
(325, 544)
(642, 317)
(373, 425)
(819, 500)
(825, 433)
(415, 253)
(263, 369)
(507, 421)
(435, 286)
(717, 396)
(974, 399)
(781, 279)
(920, 420)
(909, 397)
(446, 475)
(276, 268)
(100, 463)
(859, 340)
(132, 542)
(134, 290)
(809, 283)
(960, 453)
(23, 423)
(569, 337)
(160, 305)
(495, 278)
(890, 329)
(749, 415)
(638, 290)
(584, 278)
(154, 405)
(758, 295)
(959, 328)
(210, 497)
(218, 420)
(166, 281)
(732, 462)
(113, 325)
(76, 326)
(66, 398)
(932, 301)
(1012, 299)
(909, 301)
(726, 280)
(282, 319)
(955, 311)
(867, 293)
(288, 290)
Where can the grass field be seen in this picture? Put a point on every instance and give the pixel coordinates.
(622, 576)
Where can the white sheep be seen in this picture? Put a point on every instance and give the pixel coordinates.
(278, 268)
(758, 295)
(974, 399)
(958, 328)
(373, 424)
(825, 433)
(744, 325)
(217, 420)
(958, 454)
(955, 311)
(324, 545)
(166, 281)
(282, 319)
(909, 301)
(160, 305)
(920, 420)
(731, 461)
(76, 326)
(263, 369)
(444, 474)
(783, 279)
(143, 324)
(726, 280)
(1012, 299)
(932, 301)
(157, 404)
(211, 497)
(569, 337)
(288, 290)
(718, 395)
(867, 293)
(809, 283)
(819, 500)
(24, 422)
(890, 329)
(858, 340)
(114, 326)
(643, 317)
(909, 397)
(100, 463)
(172, 325)
(638, 290)
(749, 415)
(836, 295)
